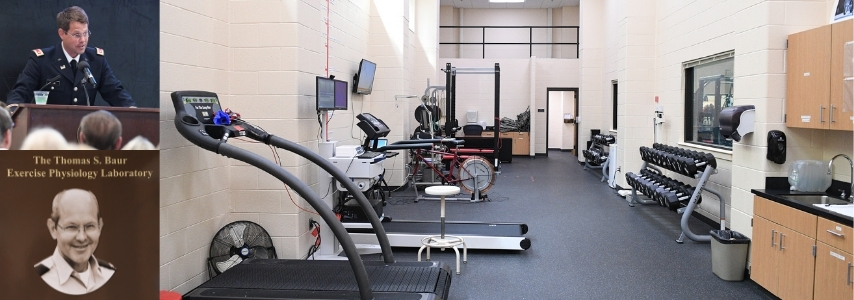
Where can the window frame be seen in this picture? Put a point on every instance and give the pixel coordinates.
(690, 130)
(615, 102)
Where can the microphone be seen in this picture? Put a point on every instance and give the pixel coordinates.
(85, 67)
(50, 81)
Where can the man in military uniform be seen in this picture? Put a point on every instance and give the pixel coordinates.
(75, 224)
(54, 69)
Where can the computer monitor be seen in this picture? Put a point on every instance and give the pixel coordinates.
(341, 93)
(363, 82)
(331, 94)
(381, 143)
(325, 93)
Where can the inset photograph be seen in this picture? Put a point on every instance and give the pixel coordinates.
(84, 224)
(69, 60)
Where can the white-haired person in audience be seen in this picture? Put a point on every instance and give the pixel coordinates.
(44, 139)
(5, 128)
(139, 143)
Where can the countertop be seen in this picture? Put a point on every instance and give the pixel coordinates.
(772, 194)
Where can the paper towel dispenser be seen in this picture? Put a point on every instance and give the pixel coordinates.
(737, 121)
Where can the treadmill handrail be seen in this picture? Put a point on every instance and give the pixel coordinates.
(345, 181)
(359, 271)
(405, 147)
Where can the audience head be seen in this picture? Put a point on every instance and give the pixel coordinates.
(101, 130)
(139, 143)
(44, 139)
(5, 127)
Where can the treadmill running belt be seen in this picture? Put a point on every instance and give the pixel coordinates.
(455, 228)
(260, 277)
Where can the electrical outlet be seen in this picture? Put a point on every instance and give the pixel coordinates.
(310, 223)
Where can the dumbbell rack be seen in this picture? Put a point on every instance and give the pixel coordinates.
(671, 193)
(597, 156)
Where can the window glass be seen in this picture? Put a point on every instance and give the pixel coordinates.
(708, 90)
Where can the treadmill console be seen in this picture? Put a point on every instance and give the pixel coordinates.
(200, 119)
(204, 108)
(373, 127)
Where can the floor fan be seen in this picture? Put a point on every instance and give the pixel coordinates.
(236, 242)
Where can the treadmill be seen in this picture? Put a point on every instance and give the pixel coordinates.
(409, 233)
(200, 119)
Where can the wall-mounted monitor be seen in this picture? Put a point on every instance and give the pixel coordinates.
(331, 94)
(363, 81)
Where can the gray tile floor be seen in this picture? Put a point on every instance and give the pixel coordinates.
(587, 243)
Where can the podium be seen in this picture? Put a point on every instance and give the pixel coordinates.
(66, 120)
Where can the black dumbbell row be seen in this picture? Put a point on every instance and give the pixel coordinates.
(595, 155)
(667, 192)
(698, 157)
(605, 139)
(678, 161)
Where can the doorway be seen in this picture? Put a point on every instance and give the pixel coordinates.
(561, 114)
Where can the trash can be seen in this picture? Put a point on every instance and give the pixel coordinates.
(729, 254)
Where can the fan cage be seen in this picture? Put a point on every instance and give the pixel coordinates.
(222, 247)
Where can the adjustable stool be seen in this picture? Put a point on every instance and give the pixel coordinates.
(443, 241)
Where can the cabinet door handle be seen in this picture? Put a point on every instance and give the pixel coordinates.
(821, 113)
(781, 241)
(831, 114)
(848, 271)
(835, 233)
(773, 235)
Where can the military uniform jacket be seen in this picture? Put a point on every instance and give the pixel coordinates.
(57, 273)
(48, 63)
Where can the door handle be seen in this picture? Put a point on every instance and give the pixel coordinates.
(848, 271)
(831, 114)
(835, 233)
(773, 235)
(821, 113)
(781, 241)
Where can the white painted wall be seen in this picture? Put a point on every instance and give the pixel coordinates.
(451, 16)
(555, 111)
(261, 58)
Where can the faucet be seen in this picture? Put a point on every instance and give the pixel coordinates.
(851, 164)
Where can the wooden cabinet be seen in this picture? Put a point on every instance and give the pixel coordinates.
(840, 119)
(834, 268)
(521, 141)
(521, 144)
(782, 258)
(833, 273)
(814, 65)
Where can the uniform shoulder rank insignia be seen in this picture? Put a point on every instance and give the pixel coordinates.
(41, 269)
(38, 52)
(99, 51)
(105, 264)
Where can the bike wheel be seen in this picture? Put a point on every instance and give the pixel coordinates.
(476, 174)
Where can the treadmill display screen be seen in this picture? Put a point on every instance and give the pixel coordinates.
(203, 108)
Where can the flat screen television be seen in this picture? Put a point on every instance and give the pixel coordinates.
(331, 94)
(363, 81)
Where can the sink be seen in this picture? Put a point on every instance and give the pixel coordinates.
(816, 199)
(843, 209)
